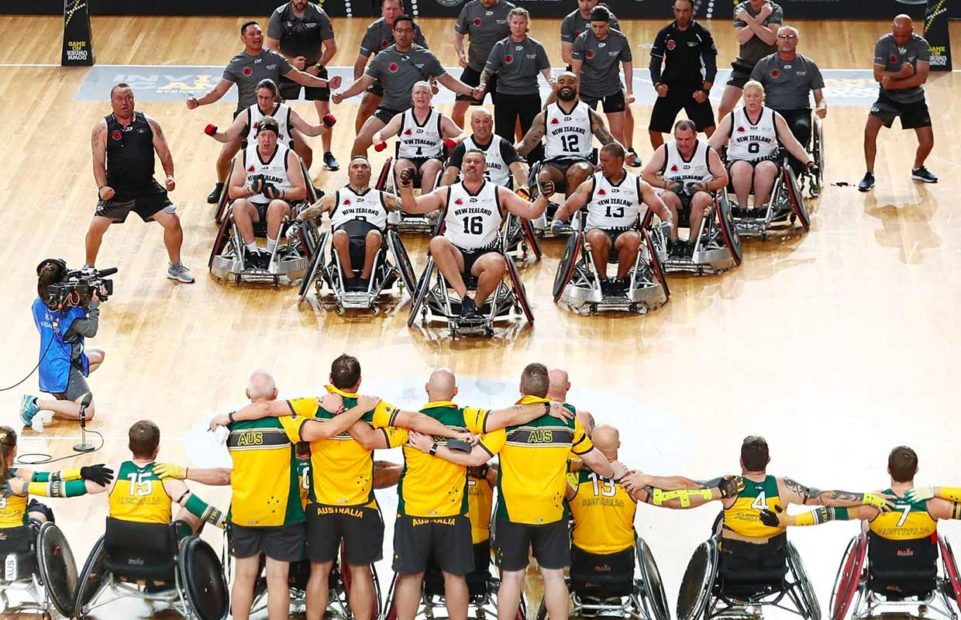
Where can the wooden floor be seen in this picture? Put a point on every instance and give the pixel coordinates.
(836, 346)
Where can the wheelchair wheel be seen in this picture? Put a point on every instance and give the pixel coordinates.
(655, 600)
(220, 241)
(950, 567)
(809, 599)
(848, 580)
(420, 295)
(91, 579)
(535, 245)
(817, 147)
(656, 263)
(725, 221)
(202, 579)
(795, 199)
(385, 174)
(520, 293)
(698, 582)
(223, 200)
(568, 264)
(314, 267)
(58, 569)
(402, 261)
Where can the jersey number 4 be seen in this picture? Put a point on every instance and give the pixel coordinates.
(474, 225)
(760, 502)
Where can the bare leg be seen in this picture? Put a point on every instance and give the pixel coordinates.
(600, 250)
(318, 590)
(372, 244)
(577, 174)
(617, 121)
(342, 246)
(657, 138)
(242, 594)
(628, 128)
(227, 152)
(556, 597)
(742, 175)
(700, 203)
(95, 357)
(245, 215)
(277, 211)
(509, 594)
(627, 246)
(303, 149)
(361, 591)
(460, 111)
(674, 206)
(764, 175)
(450, 263)
(871, 130)
(98, 226)
(428, 175)
(278, 593)
(925, 145)
(173, 234)
(489, 270)
(368, 104)
(365, 136)
(407, 595)
(66, 409)
(455, 596)
(709, 131)
(323, 109)
(728, 100)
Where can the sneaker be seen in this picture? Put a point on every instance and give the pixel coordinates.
(738, 212)
(330, 163)
(214, 196)
(28, 409)
(924, 175)
(468, 308)
(178, 272)
(618, 285)
(867, 182)
(637, 159)
(363, 284)
(352, 284)
(607, 286)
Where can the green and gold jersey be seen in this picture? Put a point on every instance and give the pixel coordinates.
(480, 503)
(303, 477)
(13, 508)
(531, 481)
(139, 495)
(343, 469)
(908, 521)
(266, 490)
(603, 514)
(744, 516)
(430, 486)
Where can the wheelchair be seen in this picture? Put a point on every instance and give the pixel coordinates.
(392, 273)
(596, 592)
(420, 223)
(776, 581)
(578, 284)
(814, 183)
(541, 225)
(154, 562)
(717, 245)
(785, 212)
(879, 576)
(40, 574)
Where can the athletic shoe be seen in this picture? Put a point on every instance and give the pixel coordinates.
(618, 285)
(178, 272)
(867, 183)
(363, 284)
(330, 163)
(637, 158)
(214, 196)
(28, 409)
(924, 175)
(468, 309)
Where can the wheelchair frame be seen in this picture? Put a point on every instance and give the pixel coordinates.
(405, 222)
(717, 249)
(814, 183)
(47, 544)
(540, 226)
(784, 209)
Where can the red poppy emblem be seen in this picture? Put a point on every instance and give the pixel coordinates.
(393, 68)
(601, 192)
(554, 121)
(671, 44)
(384, 43)
(116, 135)
(674, 168)
(247, 71)
(346, 201)
(508, 58)
(251, 169)
(740, 130)
(477, 21)
(590, 54)
(893, 58)
(775, 73)
(458, 202)
(409, 132)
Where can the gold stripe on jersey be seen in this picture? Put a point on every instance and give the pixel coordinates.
(480, 502)
(139, 495)
(908, 521)
(603, 514)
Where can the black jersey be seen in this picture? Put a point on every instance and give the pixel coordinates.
(130, 155)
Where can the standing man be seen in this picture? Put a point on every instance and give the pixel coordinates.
(485, 22)
(680, 51)
(594, 60)
(123, 166)
(756, 23)
(247, 69)
(504, 165)
(901, 68)
(302, 33)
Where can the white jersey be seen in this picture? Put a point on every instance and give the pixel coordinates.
(752, 141)
(473, 221)
(693, 170)
(281, 113)
(567, 135)
(367, 207)
(416, 140)
(274, 170)
(614, 206)
(498, 170)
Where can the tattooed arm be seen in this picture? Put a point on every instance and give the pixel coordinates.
(793, 492)
(534, 135)
(599, 128)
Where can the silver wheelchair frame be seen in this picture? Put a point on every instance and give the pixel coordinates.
(717, 246)
(44, 576)
(784, 213)
(421, 223)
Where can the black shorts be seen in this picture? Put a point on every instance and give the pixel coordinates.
(76, 386)
(470, 257)
(472, 78)
(420, 161)
(357, 235)
(740, 73)
(290, 90)
(284, 543)
(376, 89)
(385, 114)
(679, 98)
(551, 544)
(741, 561)
(145, 203)
(612, 234)
(563, 163)
(754, 163)
(360, 528)
(913, 115)
(611, 103)
(445, 539)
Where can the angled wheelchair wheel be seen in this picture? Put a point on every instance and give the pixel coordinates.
(568, 264)
(848, 580)
(519, 291)
(57, 567)
(402, 261)
(220, 241)
(725, 221)
(817, 147)
(795, 199)
(950, 567)
(655, 600)
(656, 266)
(809, 599)
(423, 289)
(202, 579)
(315, 266)
(532, 242)
(92, 578)
(385, 174)
(221, 209)
(698, 582)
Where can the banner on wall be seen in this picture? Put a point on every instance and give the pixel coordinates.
(77, 49)
(937, 35)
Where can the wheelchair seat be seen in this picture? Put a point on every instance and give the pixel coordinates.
(20, 543)
(140, 551)
(902, 568)
(602, 576)
(746, 567)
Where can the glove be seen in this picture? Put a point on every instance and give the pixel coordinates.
(97, 473)
(676, 188)
(406, 176)
(877, 501)
(329, 120)
(919, 494)
(547, 188)
(729, 486)
(380, 146)
(524, 192)
(770, 518)
(210, 129)
(169, 470)
(666, 229)
(450, 143)
(269, 189)
(812, 167)
(556, 225)
(257, 184)
(693, 188)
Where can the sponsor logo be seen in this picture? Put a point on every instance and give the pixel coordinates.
(247, 71)
(116, 135)
(671, 44)
(392, 67)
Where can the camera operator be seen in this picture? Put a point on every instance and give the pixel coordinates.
(64, 323)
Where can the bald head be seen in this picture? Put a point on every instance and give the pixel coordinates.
(261, 386)
(607, 439)
(559, 384)
(442, 385)
(902, 28)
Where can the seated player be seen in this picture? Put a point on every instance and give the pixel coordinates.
(264, 183)
(422, 134)
(613, 198)
(475, 209)
(752, 133)
(504, 165)
(688, 171)
(358, 217)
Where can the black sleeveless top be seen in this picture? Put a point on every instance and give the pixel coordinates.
(130, 155)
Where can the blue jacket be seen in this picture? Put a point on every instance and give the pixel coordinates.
(55, 365)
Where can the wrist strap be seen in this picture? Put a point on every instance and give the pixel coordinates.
(433, 449)
(230, 417)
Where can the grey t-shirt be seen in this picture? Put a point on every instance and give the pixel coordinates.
(573, 25)
(300, 36)
(517, 65)
(399, 71)
(485, 27)
(380, 36)
(888, 54)
(787, 83)
(755, 49)
(600, 75)
(247, 71)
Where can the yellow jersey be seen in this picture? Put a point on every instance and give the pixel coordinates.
(13, 508)
(480, 503)
(744, 515)
(531, 481)
(603, 514)
(138, 495)
(908, 521)
(343, 469)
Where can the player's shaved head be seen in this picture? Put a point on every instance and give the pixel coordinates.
(442, 385)
(607, 439)
(261, 386)
(902, 21)
(902, 28)
(559, 384)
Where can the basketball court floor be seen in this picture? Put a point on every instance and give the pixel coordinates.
(836, 346)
